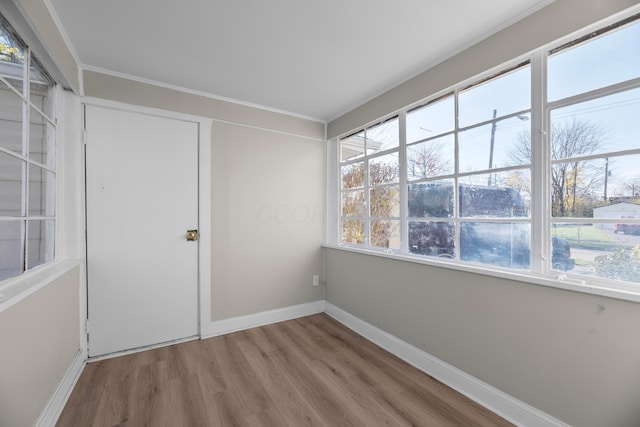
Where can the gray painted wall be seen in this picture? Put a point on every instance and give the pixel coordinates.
(267, 197)
(557, 20)
(574, 356)
(40, 338)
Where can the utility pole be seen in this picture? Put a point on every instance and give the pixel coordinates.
(493, 137)
(606, 177)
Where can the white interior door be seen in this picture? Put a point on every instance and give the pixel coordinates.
(142, 197)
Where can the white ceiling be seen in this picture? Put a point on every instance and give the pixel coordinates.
(316, 59)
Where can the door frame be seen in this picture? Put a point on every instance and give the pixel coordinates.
(204, 207)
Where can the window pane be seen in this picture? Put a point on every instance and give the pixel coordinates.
(40, 88)
(384, 136)
(353, 175)
(594, 188)
(434, 199)
(500, 244)
(431, 158)
(503, 143)
(11, 194)
(599, 126)
(503, 95)
(10, 120)
(432, 238)
(598, 251)
(385, 234)
(353, 231)
(41, 191)
(12, 59)
(352, 147)
(40, 244)
(602, 61)
(431, 120)
(353, 203)
(41, 140)
(498, 201)
(384, 169)
(385, 201)
(11, 248)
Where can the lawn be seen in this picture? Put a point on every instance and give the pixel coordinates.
(585, 237)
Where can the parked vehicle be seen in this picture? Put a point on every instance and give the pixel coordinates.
(626, 228)
(504, 244)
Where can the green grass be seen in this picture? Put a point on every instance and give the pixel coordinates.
(585, 237)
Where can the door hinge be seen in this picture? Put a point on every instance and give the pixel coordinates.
(84, 136)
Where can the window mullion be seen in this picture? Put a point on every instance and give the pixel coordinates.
(367, 198)
(540, 165)
(402, 165)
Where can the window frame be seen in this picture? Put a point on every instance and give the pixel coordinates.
(541, 218)
(50, 166)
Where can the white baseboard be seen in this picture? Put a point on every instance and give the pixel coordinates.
(50, 414)
(240, 323)
(486, 395)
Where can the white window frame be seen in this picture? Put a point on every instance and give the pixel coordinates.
(541, 271)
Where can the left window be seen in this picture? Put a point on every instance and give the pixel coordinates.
(27, 158)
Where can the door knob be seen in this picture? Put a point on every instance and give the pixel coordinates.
(192, 235)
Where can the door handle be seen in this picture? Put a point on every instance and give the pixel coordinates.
(192, 235)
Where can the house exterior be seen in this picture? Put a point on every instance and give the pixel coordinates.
(616, 210)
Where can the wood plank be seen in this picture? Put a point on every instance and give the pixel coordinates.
(311, 371)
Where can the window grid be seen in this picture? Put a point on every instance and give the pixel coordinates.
(546, 241)
(33, 243)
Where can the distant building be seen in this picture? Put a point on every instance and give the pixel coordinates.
(616, 210)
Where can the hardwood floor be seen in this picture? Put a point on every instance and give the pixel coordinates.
(303, 372)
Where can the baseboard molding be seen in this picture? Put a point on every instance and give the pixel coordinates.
(49, 416)
(486, 395)
(240, 323)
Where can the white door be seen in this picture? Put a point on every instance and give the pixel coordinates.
(142, 197)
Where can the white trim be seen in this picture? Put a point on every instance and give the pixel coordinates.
(204, 223)
(51, 412)
(91, 359)
(18, 288)
(199, 93)
(282, 132)
(486, 395)
(204, 196)
(565, 281)
(240, 323)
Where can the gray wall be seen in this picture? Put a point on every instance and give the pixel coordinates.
(557, 20)
(267, 197)
(574, 356)
(40, 338)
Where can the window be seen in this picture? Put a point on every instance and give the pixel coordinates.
(500, 174)
(370, 187)
(27, 158)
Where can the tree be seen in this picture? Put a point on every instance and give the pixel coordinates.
(425, 161)
(10, 50)
(572, 181)
(384, 200)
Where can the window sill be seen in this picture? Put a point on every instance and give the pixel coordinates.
(18, 288)
(562, 281)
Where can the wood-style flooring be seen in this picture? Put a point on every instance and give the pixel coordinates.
(311, 371)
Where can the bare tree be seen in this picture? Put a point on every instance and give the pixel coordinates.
(574, 180)
(425, 161)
